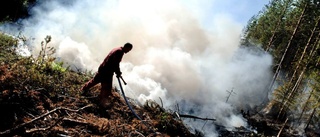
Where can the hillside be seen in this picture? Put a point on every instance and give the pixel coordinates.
(39, 97)
(77, 116)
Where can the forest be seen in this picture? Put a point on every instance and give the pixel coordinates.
(287, 29)
(290, 31)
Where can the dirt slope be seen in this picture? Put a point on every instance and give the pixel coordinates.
(32, 113)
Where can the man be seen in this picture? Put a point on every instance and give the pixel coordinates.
(110, 65)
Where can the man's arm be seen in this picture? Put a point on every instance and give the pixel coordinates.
(117, 59)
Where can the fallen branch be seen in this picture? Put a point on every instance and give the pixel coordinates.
(38, 129)
(74, 121)
(136, 132)
(41, 116)
(195, 117)
(43, 129)
(76, 98)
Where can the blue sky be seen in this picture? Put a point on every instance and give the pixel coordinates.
(237, 10)
(241, 10)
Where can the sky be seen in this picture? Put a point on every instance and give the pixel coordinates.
(185, 52)
(236, 10)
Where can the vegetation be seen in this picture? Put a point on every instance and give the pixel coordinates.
(290, 31)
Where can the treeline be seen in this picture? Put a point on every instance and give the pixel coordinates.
(290, 31)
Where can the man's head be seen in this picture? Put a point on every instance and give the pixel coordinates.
(127, 47)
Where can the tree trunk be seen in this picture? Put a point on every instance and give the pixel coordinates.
(279, 133)
(309, 119)
(311, 55)
(304, 52)
(288, 46)
(305, 106)
(277, 26)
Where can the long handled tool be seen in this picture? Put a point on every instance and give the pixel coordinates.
(124, 96)
(123, 80)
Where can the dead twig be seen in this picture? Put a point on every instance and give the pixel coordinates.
(136, 132)
(41, 116)
(43, 129)
(161, 102)
(75, 121)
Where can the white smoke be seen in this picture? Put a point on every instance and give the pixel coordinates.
(176, 57)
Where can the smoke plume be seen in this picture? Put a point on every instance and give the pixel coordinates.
(177, 55)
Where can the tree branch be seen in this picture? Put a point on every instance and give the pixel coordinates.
(195, 117)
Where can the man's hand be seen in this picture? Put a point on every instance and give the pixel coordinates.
(118, 74)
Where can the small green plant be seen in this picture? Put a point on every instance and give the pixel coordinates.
(7, 45)
(46, 51)
(165, 119)
(58, 67)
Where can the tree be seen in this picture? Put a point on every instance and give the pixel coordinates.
(289, 30)
(17, 9)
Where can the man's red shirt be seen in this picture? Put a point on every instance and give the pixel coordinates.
(112, 62)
